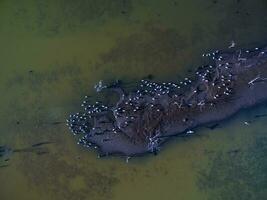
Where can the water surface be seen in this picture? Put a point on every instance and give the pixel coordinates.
(53, 52)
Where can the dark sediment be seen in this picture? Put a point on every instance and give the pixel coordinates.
(142, 120)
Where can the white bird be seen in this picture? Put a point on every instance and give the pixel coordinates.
(189, 132)
(246, 123)
(232, 44)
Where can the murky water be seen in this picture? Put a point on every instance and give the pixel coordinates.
(53, 52)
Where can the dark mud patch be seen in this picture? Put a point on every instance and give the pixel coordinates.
(237, 174)
(42, 98)
(68, 181)
(51, 18)
(53, 74)
(242, 21)
(154, 50)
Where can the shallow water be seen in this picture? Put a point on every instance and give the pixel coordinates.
(53, 52)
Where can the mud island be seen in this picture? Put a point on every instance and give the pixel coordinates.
(143, 119)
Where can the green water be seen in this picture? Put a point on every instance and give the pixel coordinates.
(52, 53)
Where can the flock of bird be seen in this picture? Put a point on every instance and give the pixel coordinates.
(210, 84)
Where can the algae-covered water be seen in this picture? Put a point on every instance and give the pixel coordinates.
(53, 52)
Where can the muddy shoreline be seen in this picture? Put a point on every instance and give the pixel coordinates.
(145, 118)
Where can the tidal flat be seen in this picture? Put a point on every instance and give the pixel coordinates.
(52, 54)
